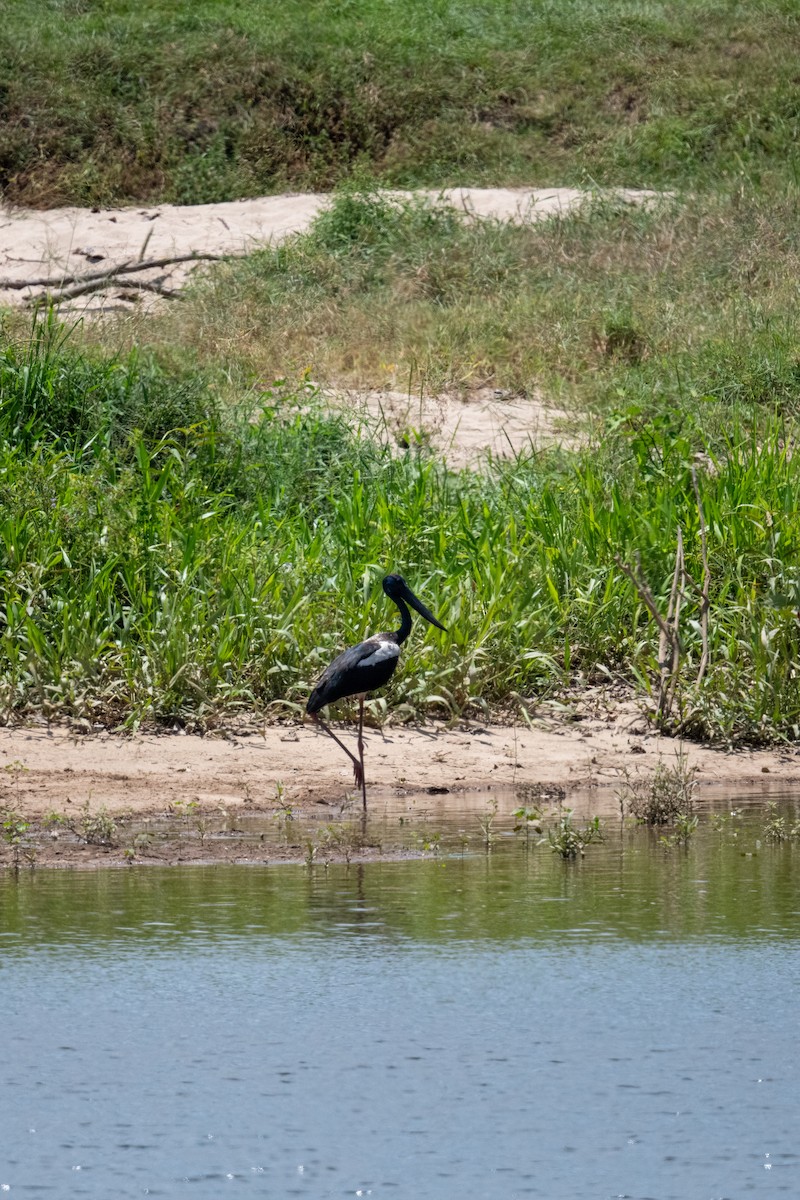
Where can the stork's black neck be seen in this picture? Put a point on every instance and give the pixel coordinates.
(405, 621)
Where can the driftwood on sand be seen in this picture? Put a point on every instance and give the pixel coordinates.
(66, 286)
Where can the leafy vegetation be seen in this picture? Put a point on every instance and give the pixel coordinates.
(569, 840)
(663, 797)
(194, 102)
(19, 835)
(154, 570)
(177, 542)
(779, 827)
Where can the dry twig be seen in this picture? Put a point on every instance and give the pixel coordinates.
(705, 587)
(109, 273)
(100, 285)
(669, 642)
(670, 648)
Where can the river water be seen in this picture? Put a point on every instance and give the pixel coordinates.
(495, 1025)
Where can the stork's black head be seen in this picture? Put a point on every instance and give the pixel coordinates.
(394, 586)
(396, 589)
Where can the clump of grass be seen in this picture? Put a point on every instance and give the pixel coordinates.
(84, 404)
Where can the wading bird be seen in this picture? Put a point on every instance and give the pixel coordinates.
(367, 666)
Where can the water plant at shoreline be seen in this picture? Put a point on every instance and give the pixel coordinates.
(663, 796)
(569, 840)
(685, 827)
(528, 820)
(778, 827)
(19, 835)
(486, 822)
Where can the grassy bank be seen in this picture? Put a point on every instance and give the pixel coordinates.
(155, 567)
(116, 101)
(691, 305)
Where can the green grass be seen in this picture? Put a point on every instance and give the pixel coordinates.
(691, 305)
(179, 572)
(109, 101)
(179, 542)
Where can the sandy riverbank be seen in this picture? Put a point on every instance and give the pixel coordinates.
(253, 769)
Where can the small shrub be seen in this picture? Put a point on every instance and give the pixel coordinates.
(95, 828)
(569, 841)
(685, 827)
(527, 821)
(661, 798)
(16, 833)
(778, 828)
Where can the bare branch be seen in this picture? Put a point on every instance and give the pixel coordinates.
(145, 243)
(645, 594)
(101, 285)
(669, 644)
(48, 281)
(669, 679)
(124, 268)
(704, 600)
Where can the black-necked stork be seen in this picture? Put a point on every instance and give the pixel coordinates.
(365, 667)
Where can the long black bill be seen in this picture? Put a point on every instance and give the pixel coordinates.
(416, 603)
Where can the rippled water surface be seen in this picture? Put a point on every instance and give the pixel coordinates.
(492, 1025)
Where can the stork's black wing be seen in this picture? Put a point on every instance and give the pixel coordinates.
(360, 668)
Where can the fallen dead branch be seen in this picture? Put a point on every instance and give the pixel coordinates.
(100, 285)
(67, 286)
(123, 268)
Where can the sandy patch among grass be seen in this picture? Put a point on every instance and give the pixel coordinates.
(76, 241)
(462, 430)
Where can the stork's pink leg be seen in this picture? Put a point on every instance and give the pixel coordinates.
(361, 751)
(358, 770)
